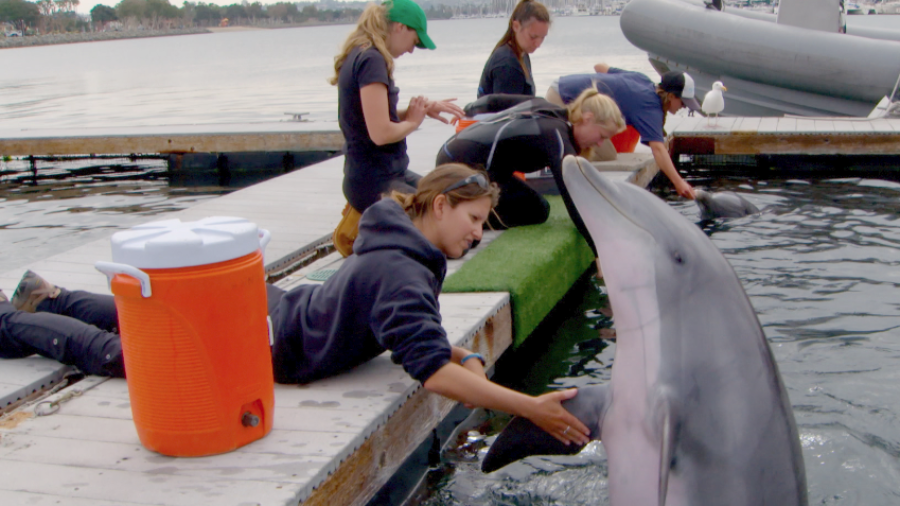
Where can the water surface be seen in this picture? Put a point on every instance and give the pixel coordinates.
(822, 268)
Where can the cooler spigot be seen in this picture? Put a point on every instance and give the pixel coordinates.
(249, 420)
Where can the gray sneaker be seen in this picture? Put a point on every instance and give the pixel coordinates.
(32, 290)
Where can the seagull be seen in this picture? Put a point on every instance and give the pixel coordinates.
(714, 102)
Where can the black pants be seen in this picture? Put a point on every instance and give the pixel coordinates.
(76, 328)
(362, 194)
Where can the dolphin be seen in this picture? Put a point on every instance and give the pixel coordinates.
(723, 205)
(695, 412)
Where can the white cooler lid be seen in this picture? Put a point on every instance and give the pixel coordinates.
(172, 243)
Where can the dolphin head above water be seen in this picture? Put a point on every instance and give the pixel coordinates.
(696, 412)
(723, 205)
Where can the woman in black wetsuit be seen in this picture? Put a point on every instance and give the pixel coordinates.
(528, 136)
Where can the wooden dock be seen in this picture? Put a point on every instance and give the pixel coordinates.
(334, 442)
(175, 139)
(785, 136)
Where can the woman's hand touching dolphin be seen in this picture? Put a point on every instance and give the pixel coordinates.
(556, 421)
(546, 411)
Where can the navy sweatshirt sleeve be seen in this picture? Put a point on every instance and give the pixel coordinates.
(406, 320)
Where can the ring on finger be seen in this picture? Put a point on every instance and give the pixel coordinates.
(567, 430)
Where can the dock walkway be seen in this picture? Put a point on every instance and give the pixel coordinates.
(200, 138)
(334, 442)
(785, 136)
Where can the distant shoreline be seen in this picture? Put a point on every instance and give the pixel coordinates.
(74, 38)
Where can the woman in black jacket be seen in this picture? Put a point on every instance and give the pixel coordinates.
(383, 297)
(508, 70)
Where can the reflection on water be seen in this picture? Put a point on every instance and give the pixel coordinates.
(822, 268)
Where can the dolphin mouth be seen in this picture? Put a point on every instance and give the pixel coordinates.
(606, 188)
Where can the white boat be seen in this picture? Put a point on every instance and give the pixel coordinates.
(890, 8)
(797, 62)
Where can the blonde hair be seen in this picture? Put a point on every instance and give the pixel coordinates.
(433, 184)
(372, 30)
(604, 109)
(525, 11)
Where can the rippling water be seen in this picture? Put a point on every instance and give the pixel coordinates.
(821, 265)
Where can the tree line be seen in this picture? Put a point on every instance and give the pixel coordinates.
(45, 16)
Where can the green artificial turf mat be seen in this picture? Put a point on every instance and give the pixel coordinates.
(536, 264)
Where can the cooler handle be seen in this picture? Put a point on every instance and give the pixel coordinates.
(111, 269)
(264, 237)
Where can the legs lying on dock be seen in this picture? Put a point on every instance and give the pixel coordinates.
(75, 328)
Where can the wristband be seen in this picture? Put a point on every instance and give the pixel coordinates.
(472, 355)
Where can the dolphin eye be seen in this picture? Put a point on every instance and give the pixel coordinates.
(677, 257)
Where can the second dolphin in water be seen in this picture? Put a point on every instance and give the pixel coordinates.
(723, 205)
(696, 412)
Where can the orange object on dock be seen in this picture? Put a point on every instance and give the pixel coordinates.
(626, 141)
(464, 123)
(195, 337)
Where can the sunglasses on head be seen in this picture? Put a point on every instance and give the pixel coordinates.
(478, 178)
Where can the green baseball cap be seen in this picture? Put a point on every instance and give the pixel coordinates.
(410, 14)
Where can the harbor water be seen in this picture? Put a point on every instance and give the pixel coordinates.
(822, 269)
(820, 264)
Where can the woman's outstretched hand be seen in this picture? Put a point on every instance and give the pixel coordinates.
(436, 108)
(551, 416)
(685, 189)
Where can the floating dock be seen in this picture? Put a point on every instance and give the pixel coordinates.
(785, 136)
(175, 139)
(334, 442)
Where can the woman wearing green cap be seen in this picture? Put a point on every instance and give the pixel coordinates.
(374, 129)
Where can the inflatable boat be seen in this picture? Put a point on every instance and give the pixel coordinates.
(798, 62)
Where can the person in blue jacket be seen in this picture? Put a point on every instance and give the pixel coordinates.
(508, 70)
(383, 297)
(644, 106)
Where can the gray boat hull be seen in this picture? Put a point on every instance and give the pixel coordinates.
(770, 69)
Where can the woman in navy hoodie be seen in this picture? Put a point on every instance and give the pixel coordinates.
(383, 297)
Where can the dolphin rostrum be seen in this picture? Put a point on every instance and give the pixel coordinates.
(723, 205)
(696, 412)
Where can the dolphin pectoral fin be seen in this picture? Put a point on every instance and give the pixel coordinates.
(522, 438)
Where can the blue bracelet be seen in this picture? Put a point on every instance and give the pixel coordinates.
(472, 355)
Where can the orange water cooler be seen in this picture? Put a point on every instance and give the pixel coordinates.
(191, 299)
